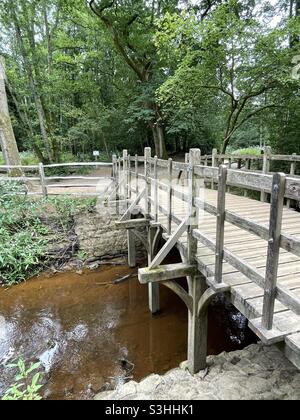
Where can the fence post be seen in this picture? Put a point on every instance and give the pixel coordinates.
(197, 330)
(129, 177)
(214, 164)
(195, 158)
(125, 175)
(220, 223)
(186, 173)
(153, 288)
(115, 177)
(277, 202)
(266, 169)
(43, 180)
(156, 189)
(170, 193)
(292, 173)
(137, 175)
(147, 181)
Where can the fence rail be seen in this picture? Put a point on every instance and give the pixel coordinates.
(278, 186)
(44, 181)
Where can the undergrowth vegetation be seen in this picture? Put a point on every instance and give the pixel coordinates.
(28, 228)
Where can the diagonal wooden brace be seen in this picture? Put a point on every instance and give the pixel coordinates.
(169, 244)
(126, 216)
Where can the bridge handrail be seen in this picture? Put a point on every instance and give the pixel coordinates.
(278, 186)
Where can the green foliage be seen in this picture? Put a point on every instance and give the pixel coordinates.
(254, 151)
(207, 71)
(27, 383)
(25, 233)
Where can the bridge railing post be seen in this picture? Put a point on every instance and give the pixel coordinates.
(170, 193)
(214, 164)
(137, 175)
(156, 201)
(43, 180)
(197, 328)
(116, 181)
(125, 173)
(129, 177)
(266, 169)
(195, 158)
(221, 211)
(153, 288)
(276, 213)
(292, 173)
(147, 181)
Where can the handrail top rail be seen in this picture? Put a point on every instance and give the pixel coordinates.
(57, 165)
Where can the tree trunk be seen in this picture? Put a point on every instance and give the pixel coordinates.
(36, 95)
(7, 138)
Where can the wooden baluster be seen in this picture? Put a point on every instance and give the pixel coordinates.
(292, 173)
(220, 224)
(247, 165)
(170, 193)
(266, 169)
(156, 204)
(277, 202)
(147, 181)
(137, 174)
(115, 177)
(43, 180)
(125, 174)
(129, 177)
(214, 164)
(195, 158)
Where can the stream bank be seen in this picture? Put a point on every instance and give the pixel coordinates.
(255, 373)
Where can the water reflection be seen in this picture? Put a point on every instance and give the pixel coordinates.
(91, 335)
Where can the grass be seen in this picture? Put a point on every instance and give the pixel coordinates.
(28, 229)
(251, 151)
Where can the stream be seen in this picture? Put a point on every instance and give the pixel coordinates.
(90, 334)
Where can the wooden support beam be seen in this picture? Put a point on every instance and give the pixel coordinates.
(166, 272)
(132, 224)
(131, 248)
(169, 244)
(277, 203)
(197, 327)
(281, 328)
(153, 288)
(132, 207)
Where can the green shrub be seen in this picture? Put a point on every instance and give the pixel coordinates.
(27, 230)
(27, 383)
(253, 151)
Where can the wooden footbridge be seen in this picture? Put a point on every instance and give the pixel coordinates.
(229, 243)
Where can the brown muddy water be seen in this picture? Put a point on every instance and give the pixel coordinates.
(91, 335)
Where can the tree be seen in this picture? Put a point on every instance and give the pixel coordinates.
(7, 138)
(131, 25)
(234, 60)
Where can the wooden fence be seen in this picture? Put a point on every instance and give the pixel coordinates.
(279, 186)
(33, 175)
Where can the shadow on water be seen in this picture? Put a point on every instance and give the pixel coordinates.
(91, 335)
